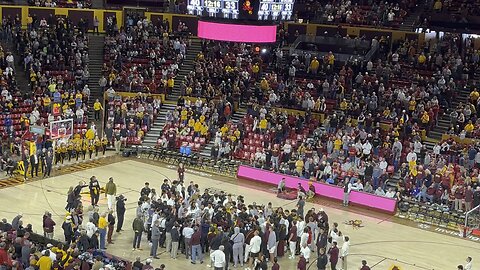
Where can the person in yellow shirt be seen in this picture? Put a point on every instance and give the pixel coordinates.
(191, 122)
(102, 229)
(344, 105)
(170, 84)
(255, 70)
(438, 5)
(197, 127)
(98, 145)
(412, 104)
(263, 125)
(202, 118)
(331, 58)
(183, 115)
(422, 59)
(97, 107)
(224, 129)
(474, 96)
(337, 145)
(314, 64)
(425, 119)
(45, 262)
(46, 101)
(204, 130)
(299, 167)
(469, 127)
(264, 84)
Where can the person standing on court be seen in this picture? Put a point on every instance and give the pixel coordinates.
(344, 252)
(102, 229)
(292, 240)
(94, 187)
(333, 252)
(120, 207)
(175, 236)
(196, 247)
(238, 239)
(34, 163)
(300, 206)
(25, 163)
(218, 259)
(110, 192)
(255, 247)
(364, 265)
(322, 259)
(138, 229)
(48, 164)
(155, 239)
(111, 226)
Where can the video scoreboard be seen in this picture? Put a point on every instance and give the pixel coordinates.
(263, 10)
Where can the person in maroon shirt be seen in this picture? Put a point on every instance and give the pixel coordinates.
(292, 240)
(364, 265)
(333, 252)
(468, 198)
(302, 263)
(275, 265)
(196, 248)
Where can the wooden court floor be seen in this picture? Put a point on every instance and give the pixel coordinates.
(383, 241)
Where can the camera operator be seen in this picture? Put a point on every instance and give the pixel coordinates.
(120, 206)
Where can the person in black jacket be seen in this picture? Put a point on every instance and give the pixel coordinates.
(322, 240)
(93, 241)
(48, 164)
(94, 187)
(34, 163)
(68, 230)
(83, 242)
(120, 206)
(322, 259)
(228, 250)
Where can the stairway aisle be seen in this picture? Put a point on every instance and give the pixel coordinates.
(444, 122)
(236, 118)
(171, 100)
(187, 66)
(21, 76)
(95, 51)
(157, 127)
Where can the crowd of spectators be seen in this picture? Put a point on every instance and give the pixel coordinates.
(130, 118)
(192, 124)
(377, 116)
(144, 56)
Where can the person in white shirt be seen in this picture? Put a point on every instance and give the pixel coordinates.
(390, 193)
(305, 251)
(187, 234)
(344, 252)
(218, 258)
(412, 156)
(468, 265)
(254, 246)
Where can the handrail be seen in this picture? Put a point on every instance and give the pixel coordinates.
(476, 208)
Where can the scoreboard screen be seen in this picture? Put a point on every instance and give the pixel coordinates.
(262, 10)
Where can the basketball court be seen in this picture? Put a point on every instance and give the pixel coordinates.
(381, 241)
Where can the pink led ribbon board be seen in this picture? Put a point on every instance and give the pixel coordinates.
(237, 32)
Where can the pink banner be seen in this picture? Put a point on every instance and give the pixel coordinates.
(334, 192)
(237, 32)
